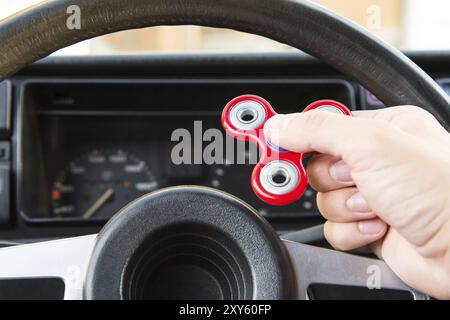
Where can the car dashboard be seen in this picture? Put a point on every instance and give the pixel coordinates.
(81, 137)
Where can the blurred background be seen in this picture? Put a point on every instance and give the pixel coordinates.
(406, 24)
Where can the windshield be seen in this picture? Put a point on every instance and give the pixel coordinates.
(406, 24)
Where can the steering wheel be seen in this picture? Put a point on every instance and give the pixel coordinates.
(195, 242)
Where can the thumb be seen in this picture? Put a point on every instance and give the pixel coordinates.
(326, 132)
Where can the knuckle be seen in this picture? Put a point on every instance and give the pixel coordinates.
(316, 169)
(320, 204)
(417, 111)
(416, 119)
(413, 119)
(315, 120)
(337, 239)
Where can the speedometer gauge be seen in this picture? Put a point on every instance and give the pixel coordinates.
(99, 183)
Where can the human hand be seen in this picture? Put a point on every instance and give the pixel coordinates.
(383, 179)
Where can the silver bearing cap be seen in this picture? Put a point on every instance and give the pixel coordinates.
(330, 109)
(247, 115)
(279, 177)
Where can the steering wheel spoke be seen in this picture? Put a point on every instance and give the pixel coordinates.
(314, 265)
(66, 259)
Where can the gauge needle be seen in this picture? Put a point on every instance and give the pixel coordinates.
(98, 204)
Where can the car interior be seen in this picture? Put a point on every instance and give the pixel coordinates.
(92, 206)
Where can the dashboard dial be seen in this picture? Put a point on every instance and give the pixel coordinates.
(99, 183)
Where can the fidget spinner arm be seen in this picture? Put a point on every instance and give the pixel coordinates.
(279, 178)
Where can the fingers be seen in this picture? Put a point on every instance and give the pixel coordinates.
(351, 222)
(353, 235)
(326, 173)
(344, 205)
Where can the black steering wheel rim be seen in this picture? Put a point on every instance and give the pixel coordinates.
(40, 30)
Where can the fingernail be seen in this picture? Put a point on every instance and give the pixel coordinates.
(371, 226)
(357, 203)
(340, 172)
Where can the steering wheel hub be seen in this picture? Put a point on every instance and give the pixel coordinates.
(189, 243)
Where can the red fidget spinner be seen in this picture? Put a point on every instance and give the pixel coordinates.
(279, 177)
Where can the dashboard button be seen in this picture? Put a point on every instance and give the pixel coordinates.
(370, 101)
(5, 215)
(4, 151)
(5, 108)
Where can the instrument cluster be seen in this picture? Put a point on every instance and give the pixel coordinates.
(87, 148)
(97, 165)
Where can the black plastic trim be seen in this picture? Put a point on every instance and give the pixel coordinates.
(124, 234)
(28, 217)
